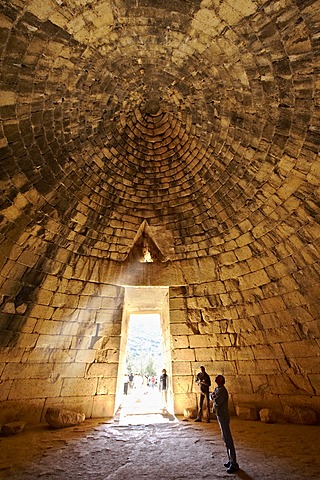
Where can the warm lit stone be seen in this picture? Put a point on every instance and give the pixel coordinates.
(12, 428)
(186, 133)
(60, 418)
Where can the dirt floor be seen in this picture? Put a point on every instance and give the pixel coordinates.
(146, 442)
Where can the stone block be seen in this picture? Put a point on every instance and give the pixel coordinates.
(243, 253)
(78, 387)
(267, 416)
(48, 327)
(204, 355)
(227, 258)
(301, 349)
(183, 401)
(67, 370)
(85, 355)
(63, 356)
(16, 371)
(181, 341)
(66, 314)
(12, 428)
(107, 386)
(34, 388)
(240, 353)
(69, 328)
(180, 329)
(304, 416)
(199, 341)
(190, 412)
(55, 341)
(60, 418)
(37, 355)
(178, 316)
(181, 368)
(103, 406)
(102, 370)
(253, 280)
(7, 98)
(234, 271)
(183, 354)
(42, 311)
(177, 304)
(246, 412)
(5, 389)
(182, 384)
(28, 340)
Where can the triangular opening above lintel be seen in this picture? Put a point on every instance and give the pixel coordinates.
(144, 248)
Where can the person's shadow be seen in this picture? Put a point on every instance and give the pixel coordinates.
(243, 475)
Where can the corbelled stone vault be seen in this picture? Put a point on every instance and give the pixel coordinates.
(159, 156)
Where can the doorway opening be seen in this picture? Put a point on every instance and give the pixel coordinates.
(144, 354)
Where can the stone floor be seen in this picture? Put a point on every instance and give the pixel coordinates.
(143, 441)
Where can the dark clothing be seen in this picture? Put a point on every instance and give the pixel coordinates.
(204, 382)
(220, 398)
(163, 385)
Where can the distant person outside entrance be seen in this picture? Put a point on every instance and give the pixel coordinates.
(163, 386)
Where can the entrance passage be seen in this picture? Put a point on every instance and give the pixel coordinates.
(145, 350)
(144, 400)
(143, 409)
(144, 357)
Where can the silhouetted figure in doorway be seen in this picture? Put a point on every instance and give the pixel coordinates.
(125, 384)
(163, 387)
(131, 377)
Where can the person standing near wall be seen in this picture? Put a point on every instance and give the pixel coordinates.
(203, 380)
(125, 384)
(131, 377)
(163, 386)
(220, 399)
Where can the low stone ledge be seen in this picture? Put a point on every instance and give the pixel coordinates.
(12, 428)
(246, 412)
(300, 415)
(190, 412)
(61, 418)
(267, 416)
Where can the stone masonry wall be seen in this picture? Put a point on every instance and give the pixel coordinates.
(263, 338)
(63, 352)
(258, 328)
(193, 125)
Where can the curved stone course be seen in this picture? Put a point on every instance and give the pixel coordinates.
(193, 126)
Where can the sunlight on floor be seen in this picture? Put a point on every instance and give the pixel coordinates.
(143, 407)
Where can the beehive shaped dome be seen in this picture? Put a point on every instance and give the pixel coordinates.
(154, 143)
(190, 115)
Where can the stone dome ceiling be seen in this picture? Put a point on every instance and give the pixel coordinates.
(182, 132)
(199, 120)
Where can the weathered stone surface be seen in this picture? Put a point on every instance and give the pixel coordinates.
(267, 416)
(13, 428)
(61, 418)
(190, 412)
(191, 127)
(103, 448)
(305, 416)
(246, 412)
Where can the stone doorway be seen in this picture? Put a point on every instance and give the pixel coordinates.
(144, 404)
